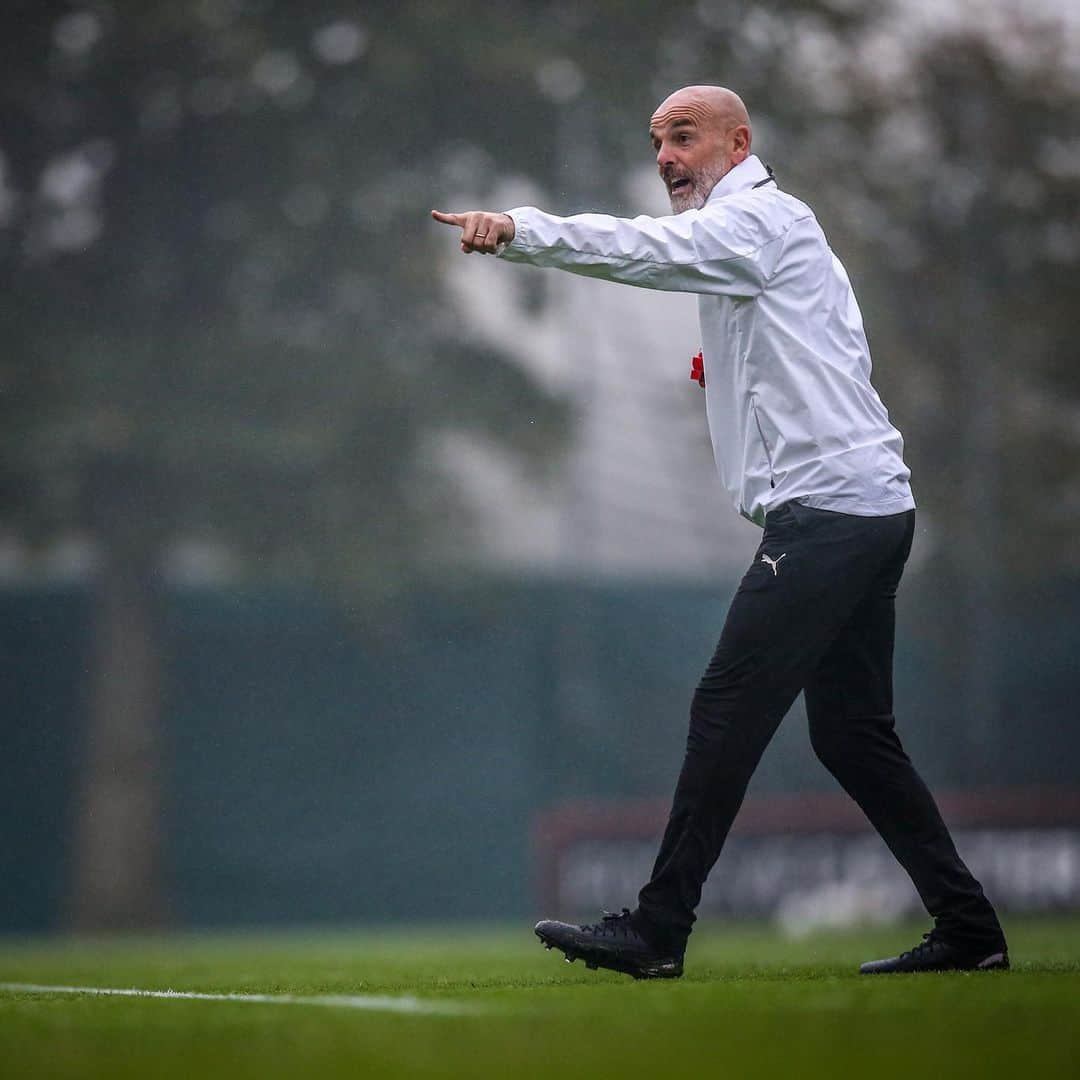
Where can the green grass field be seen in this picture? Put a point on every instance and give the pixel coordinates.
(751, 1004)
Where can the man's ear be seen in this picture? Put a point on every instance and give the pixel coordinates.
(740, 142)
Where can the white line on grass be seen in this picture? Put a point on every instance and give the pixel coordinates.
(371, 1002)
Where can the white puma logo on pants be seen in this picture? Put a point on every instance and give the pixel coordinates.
(774, 563)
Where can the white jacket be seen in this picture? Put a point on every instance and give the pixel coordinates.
(791, 411)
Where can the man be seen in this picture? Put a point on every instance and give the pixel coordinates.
(805, 448)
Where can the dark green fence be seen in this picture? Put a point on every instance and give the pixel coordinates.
(323, 766)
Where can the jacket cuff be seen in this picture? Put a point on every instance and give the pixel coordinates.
(521, 232)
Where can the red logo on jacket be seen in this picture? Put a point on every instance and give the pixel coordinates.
(697, 369)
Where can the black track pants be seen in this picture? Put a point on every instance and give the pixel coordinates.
(815, 612)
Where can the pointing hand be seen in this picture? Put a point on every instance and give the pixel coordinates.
(481, 230)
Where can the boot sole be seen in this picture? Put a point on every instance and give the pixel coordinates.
(994, 962)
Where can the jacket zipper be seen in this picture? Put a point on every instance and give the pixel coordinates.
(764, 443)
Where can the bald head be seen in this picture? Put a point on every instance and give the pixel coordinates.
(699, 133)
(711, 105)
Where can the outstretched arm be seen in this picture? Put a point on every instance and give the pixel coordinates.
(481, 230)
(730, 250)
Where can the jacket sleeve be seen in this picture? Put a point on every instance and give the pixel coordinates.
(724, 249)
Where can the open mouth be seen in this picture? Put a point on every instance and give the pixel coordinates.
(679, 185)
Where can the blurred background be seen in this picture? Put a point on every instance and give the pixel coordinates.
(346, 579)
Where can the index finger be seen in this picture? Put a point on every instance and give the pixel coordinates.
(449, 219)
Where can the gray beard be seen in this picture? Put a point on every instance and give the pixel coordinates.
(701, 185)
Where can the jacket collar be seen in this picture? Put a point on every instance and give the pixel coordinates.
(745, 175)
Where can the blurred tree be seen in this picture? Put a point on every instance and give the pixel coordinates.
(223, 323)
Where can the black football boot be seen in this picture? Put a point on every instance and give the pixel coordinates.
(614, 943)
(935, 954)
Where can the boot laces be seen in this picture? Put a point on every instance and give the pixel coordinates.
(611, 924)
(929, 944)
